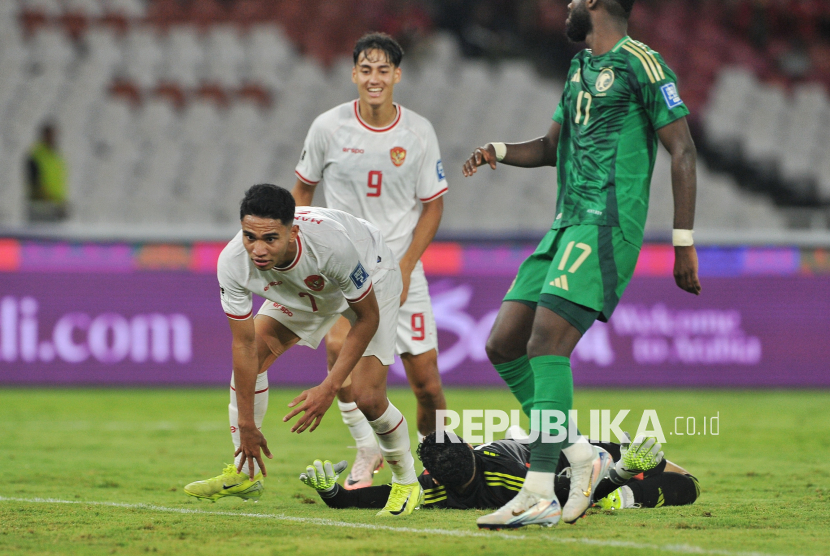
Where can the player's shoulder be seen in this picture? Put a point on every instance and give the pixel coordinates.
(333, 118)
(505, 449)
(319, 219)
(417, 125)
(415, 121)
(647, 63)
(233, 258)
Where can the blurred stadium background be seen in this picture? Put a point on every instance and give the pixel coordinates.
(166, 110)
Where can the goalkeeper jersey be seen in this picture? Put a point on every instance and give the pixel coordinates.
(501, 467)
(610, 110)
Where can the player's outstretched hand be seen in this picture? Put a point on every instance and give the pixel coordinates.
(252, 445)
(482, 155)
(322, 475)
(685, 269)
(313, 403)
(642, 454)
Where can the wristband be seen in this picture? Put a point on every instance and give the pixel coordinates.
(501, 151)
(682, 238)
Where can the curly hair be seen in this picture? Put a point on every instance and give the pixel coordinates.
(451, 463)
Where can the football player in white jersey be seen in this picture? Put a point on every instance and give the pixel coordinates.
(312, 265)
(381, 162)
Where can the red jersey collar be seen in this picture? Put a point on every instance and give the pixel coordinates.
(296, 257)
(378, 129)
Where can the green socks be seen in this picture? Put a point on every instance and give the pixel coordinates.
(518, 375)
(554, 389)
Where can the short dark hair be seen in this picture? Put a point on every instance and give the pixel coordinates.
(266, 200)
(620, 8)
(382, 42)
(450, 463)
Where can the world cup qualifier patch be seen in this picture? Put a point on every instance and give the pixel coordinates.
(439, 169)
(359, 276)
(670, 95)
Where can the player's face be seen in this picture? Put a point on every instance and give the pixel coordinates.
(578, 24)
(268, 242)
(375, 77)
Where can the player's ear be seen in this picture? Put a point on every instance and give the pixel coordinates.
(294, 230)
(354, 74)
(397, 76)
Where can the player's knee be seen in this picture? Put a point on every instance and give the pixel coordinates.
(429, 393)
(502, 350)
(550, 341)
(370, 402)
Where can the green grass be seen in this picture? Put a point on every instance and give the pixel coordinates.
(765, 479)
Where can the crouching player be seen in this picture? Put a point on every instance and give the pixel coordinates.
(312, 265)
(458, 476)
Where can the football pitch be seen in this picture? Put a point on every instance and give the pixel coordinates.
(102, 471)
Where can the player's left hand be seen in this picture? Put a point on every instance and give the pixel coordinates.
(685, 269)
(315, 401)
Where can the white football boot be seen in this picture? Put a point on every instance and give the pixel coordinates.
(585, 476)
(526, 508)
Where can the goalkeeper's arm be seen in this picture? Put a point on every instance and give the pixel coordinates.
(367, 498)
(322, 477)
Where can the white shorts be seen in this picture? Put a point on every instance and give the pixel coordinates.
(417, 332)
(312, 327)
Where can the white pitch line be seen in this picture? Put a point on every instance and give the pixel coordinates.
(674, 548)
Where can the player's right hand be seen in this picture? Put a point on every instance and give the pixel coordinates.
(685, 269)
(482, 155)
(322, 476)
(252, 446)
(642, 454)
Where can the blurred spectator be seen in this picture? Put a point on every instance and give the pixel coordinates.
(46, 173)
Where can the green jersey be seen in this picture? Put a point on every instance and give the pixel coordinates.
(610, 110)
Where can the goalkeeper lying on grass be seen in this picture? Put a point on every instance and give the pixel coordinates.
(461, 477)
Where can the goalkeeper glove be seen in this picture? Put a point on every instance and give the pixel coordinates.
(322, 476)
(643, 454)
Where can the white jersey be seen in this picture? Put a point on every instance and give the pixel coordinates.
(338, 258)
(381, 175)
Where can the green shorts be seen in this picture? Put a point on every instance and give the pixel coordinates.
(579, 272)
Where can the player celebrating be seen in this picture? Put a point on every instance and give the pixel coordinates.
(312, 266)
(382, 163)
(490, 478)
(619, 98)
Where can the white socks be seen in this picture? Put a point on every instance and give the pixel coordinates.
(539, 483)
(579, 451)
(260, 407)
(542, 483)
(359, 426)
(393, 437)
